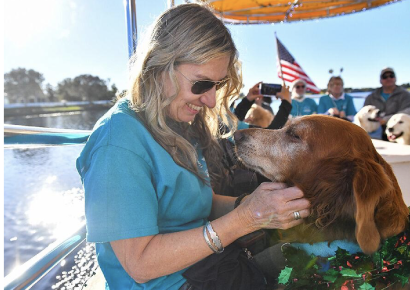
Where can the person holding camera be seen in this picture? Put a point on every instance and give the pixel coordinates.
(254, 95)
(149, 204)
(301, 106)
(336, 103)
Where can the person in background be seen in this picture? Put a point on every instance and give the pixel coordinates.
(301, 106)
(149, 204)
(390, 99)
(336, 103)
(254, 95)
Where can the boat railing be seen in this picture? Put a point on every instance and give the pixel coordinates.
(21, 137)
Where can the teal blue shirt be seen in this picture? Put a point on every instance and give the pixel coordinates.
(345, 104)
(306, 107)
(385, 96)
(133, 188)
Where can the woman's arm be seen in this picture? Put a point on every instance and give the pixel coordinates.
(270, 206)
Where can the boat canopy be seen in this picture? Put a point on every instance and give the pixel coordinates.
(265, 11)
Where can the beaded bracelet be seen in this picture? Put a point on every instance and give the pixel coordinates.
(215, 239)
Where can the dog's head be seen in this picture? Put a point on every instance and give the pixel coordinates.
(353, 191)
(367, 118)
(259, 116)
(398, 129)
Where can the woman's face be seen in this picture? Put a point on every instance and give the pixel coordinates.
(336, 87)
(187, 104)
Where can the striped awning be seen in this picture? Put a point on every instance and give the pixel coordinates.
(265, 11)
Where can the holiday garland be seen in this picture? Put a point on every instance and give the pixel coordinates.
(389, 266)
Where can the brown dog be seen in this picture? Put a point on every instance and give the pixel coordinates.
(353, 192)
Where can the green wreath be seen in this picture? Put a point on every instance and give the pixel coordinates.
(388, 266)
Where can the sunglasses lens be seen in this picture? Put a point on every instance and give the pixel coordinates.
(201, 87)
(386, 76)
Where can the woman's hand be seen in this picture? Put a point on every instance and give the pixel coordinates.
(284, 94)
(334, 112)
(272, 206)
(254, 93)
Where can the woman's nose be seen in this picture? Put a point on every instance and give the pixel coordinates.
(209, 98)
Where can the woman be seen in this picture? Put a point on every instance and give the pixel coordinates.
(301, 106)
(148, 198)
(337, 103)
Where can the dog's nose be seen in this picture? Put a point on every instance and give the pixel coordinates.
(238, 136)
(390, 129)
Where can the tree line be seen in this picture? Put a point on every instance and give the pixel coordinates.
(27, 86)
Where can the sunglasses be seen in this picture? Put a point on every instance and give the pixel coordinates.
(390, 75)
(202, 86)
(300, 87)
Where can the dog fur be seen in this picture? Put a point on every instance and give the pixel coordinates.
(353, 192)
(366, 118)
(258, 116)
(398, 129)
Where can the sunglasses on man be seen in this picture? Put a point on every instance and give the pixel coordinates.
(202, 86)
(388, 75)
(300, 87)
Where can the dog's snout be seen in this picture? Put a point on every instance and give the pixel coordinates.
(391, 129)
(238, 136)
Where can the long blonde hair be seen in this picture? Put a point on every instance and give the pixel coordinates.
(185, 34)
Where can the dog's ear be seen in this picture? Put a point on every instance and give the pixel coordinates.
(370, 185)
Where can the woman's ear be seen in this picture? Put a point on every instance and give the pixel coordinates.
(370, 185)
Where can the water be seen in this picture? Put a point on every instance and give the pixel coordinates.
(43, 196)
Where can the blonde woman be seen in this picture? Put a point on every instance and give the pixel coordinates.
(149, 204)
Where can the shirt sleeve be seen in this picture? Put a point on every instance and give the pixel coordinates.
(242, 108)
(350, 109)
(120, 199)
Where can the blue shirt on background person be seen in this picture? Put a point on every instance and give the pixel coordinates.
(301, 106)
(336, 102)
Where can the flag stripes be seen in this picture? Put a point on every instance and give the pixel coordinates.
(289, 70)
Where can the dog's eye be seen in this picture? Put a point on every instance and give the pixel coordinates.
(400, 122)
(292, 134)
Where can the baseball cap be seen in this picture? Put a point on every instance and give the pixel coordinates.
(387, 69)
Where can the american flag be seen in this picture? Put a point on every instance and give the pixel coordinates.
(290, 70)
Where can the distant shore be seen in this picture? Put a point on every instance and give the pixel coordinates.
(29, 109)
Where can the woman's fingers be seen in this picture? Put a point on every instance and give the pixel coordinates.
(273, 205)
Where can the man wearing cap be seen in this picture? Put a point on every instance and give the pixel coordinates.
(389, 99)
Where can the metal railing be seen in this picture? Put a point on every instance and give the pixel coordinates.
(18, 137)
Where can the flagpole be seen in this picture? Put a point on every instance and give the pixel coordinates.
(277, 52)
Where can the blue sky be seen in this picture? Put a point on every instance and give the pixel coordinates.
(66, 38)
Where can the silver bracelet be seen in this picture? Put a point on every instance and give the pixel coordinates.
(215, 238)
(208, 241)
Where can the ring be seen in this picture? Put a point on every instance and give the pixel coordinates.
(297, 215)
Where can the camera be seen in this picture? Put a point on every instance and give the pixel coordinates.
(270, 89)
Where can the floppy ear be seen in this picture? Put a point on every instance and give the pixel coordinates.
(370, 185)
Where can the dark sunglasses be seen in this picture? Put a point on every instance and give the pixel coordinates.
(300, 87)
(390, 75)
(202, 86)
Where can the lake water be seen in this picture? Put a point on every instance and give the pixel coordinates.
(43, 198)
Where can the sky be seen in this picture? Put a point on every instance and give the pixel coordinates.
(66, 38)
